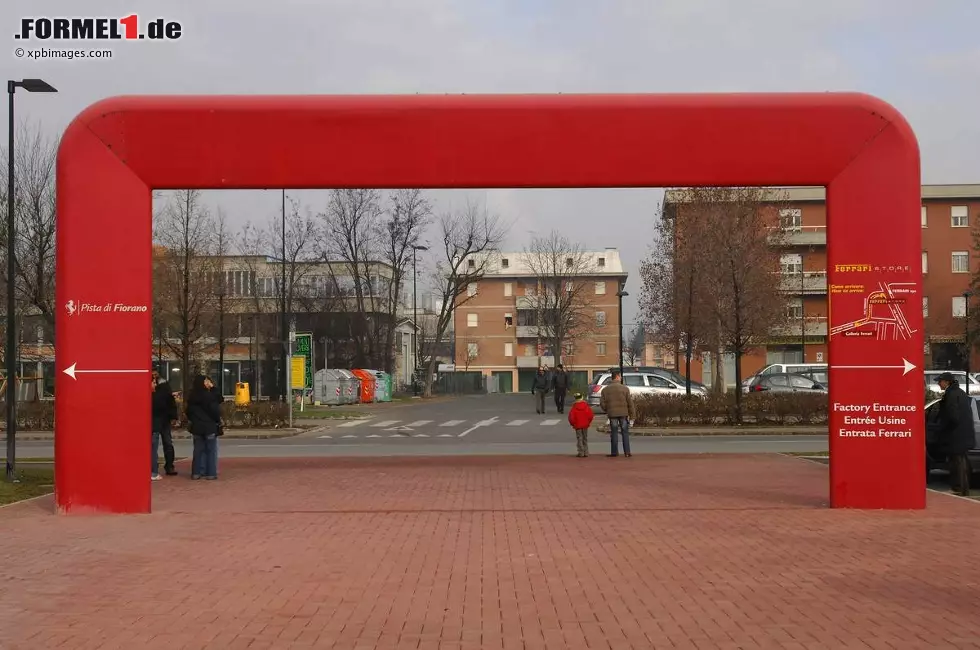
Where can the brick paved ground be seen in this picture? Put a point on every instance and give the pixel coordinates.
(515, 552)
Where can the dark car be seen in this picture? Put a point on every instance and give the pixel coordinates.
(785, 382)
(935, 459)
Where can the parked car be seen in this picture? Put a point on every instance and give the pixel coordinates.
(931, 387)
(934, 458)
(795, 368)
(672, 375)
(640, 384)
(785, 382)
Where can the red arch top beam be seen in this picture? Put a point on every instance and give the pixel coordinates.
(118, 149)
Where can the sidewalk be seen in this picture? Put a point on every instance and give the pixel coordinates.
(500, 553)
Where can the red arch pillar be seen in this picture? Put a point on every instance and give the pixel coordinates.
(117, 150)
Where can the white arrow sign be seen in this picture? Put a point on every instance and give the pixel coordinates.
(71, 371)
(906, 367)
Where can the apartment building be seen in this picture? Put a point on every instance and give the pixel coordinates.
(502, 329)
(949, 219)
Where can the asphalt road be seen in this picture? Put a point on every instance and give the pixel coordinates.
(479, 425)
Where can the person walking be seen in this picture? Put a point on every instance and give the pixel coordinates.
(560, 383)
(955, 432)
(204, 424)
(617, 403)
(580, 417)
(163, 415)
(540, 388)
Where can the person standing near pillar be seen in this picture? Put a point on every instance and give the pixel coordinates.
(164, 414)
(956, 434)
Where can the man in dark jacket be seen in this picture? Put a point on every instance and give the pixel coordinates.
(955, 433)
(560, 383)
(540, 388)
(164, 413)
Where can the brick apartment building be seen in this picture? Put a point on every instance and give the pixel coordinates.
(949, 216)
(497, 332)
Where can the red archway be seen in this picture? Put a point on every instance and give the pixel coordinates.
(117, 150)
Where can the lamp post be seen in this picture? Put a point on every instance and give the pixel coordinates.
(415, 317)
(31, 86)
(966, 336)
(621, 294)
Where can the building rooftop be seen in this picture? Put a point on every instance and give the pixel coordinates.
(818, 194)
(515, 264)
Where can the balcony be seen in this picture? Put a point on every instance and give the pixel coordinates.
(811, 282)
(534, 362)
(815, 326)
(799, 236)
(534, 331)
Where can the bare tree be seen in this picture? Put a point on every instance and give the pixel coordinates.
(744, 285)
(564, 272)
(675, 289)
(184, 230)
(349, 235)
(467, 242)
(220, 286)
(409, 214)
(634, 346)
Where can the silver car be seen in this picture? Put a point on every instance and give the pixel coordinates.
(642, 383)
(785, 382)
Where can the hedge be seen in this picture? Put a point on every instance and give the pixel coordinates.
(759, 409)
(39, 416)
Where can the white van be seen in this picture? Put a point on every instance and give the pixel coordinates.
(792, 368)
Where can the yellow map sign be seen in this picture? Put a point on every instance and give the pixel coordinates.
(297, 373)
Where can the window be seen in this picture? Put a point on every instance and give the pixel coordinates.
(794, 309)
(569, 262)
(471, 289)
(528, 350)
(633, 380)
(778, 380)
(791, 264)
(568, 349)
(925, 307)
(472, 350)
(505, 263)
(791, 219)
(508, 289)
(569, 286)
(925, 262)
(471, 263)
(600, 288)
(529, 290)
(508, 349)
(658, 382)
(472, 320)
(959, 216)
(959, 307)
(801, 382)
(508, 320)
(602, 262)
(961, 262)
(600, 319)
(600, 348)
(925, 217)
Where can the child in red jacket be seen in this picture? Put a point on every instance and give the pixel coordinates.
(580, 417)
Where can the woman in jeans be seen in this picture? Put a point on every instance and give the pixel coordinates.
(204, 423)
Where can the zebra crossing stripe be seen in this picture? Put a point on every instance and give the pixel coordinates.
(420, 435)
(373, 435)
(550, 423)
(516, 423)
(350, 435)
(386, 423)
(452, 423)
(445, 435)
(351, 423)
(327, 437)
(418, 423)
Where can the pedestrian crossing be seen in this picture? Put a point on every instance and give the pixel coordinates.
(371, 428)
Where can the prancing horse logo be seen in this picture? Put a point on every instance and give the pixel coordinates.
(71, 308)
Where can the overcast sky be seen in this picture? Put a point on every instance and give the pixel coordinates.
(922, 57)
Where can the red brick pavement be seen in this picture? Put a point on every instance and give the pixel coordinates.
(489, 552)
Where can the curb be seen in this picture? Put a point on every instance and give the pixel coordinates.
(734, 431)
(288, 433)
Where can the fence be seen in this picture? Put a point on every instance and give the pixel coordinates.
(460, 383)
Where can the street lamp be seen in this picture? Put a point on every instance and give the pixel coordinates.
(415, 317)
(621, 294)
(966, 335)
(31, 86)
